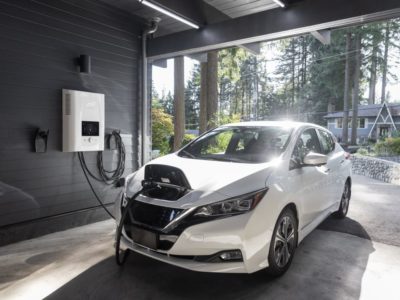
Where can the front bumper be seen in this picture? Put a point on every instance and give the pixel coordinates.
(227, 267)
(242, 232)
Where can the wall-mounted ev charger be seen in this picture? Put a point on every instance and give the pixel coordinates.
(83, 121)
(83, 130)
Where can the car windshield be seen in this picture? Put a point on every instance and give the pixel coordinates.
(240, 144)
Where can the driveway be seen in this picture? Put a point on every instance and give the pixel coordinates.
(374, 212)
(354, 258)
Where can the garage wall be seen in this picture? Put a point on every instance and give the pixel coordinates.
(39, 42)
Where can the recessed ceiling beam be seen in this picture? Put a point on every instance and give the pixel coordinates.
(161, 63)
(324, 36)
(253, 48)
(299, 18)
(200, 57)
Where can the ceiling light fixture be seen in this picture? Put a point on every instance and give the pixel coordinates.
(280, 3)
(168, 13)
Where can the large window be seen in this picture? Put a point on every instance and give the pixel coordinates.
(362, 123)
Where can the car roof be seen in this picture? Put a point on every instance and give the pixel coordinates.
(289, 124)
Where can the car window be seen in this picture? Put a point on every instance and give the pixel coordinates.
(306, 143)
(327, 142)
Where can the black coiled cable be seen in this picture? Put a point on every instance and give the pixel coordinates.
(112, 176)
(106, 176)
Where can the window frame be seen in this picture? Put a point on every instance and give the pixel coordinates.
(294, 148)
(330, 136)
(358, 123)
(337, 123)
(365, 123)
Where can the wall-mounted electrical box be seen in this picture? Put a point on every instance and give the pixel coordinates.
(83, 121)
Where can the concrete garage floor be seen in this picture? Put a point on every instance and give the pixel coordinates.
(356, 258)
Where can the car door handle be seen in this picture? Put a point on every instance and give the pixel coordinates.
(342, 161)
(327, 170)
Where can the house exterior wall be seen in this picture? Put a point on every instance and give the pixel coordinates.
(362, 133)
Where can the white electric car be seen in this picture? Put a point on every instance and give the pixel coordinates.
(238, 199)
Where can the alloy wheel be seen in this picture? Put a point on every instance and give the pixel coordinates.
(345, 199)
(284, 243)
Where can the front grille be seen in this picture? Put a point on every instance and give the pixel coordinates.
(156, 217)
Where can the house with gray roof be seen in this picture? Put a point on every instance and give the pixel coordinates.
(374, 121)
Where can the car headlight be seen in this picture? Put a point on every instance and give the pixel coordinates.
(232, 206)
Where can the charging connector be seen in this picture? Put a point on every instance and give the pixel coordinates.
(146, 186)
(112, 143)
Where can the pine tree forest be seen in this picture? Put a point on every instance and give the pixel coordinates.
(300, 78)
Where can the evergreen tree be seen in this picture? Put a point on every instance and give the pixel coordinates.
(192, 99)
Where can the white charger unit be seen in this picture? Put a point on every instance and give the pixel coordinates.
(83, 121)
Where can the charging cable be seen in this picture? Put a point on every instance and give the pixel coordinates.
(106, 176)
(146, 186)
(84, 168)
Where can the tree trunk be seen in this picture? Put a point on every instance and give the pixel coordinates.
(212, 88)
(372, 79)
(356, 89)
(242, 100)
(179, 102)
(256, 91)
(304, 58)
(293, 66)
(345, 123)
(203, 98)
(385, 62)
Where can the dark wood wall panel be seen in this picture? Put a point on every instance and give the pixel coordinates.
(39, 43)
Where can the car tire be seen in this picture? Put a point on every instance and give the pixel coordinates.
(283, 243)
(341, 213)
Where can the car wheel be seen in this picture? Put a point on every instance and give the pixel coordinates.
(344, 202)
(283, 243)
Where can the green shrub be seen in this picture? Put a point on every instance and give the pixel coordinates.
(162, 129)
(221, 119)
(362, 151)
(390, 146)
(187, 138)
(396, 134)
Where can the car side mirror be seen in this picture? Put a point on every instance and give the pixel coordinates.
(315, 159)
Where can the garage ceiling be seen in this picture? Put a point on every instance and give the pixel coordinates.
(201, 12)
(167, 25)
(238, 8)
(229, 23)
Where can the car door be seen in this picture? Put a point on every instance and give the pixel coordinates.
(311, 181)
(335, 160)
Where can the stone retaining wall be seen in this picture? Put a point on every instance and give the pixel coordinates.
(390, 158)
(376, 168)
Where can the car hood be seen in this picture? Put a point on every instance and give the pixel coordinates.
(216, 178)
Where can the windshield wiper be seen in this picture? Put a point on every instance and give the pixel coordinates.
(188, 154)
(217, 158)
